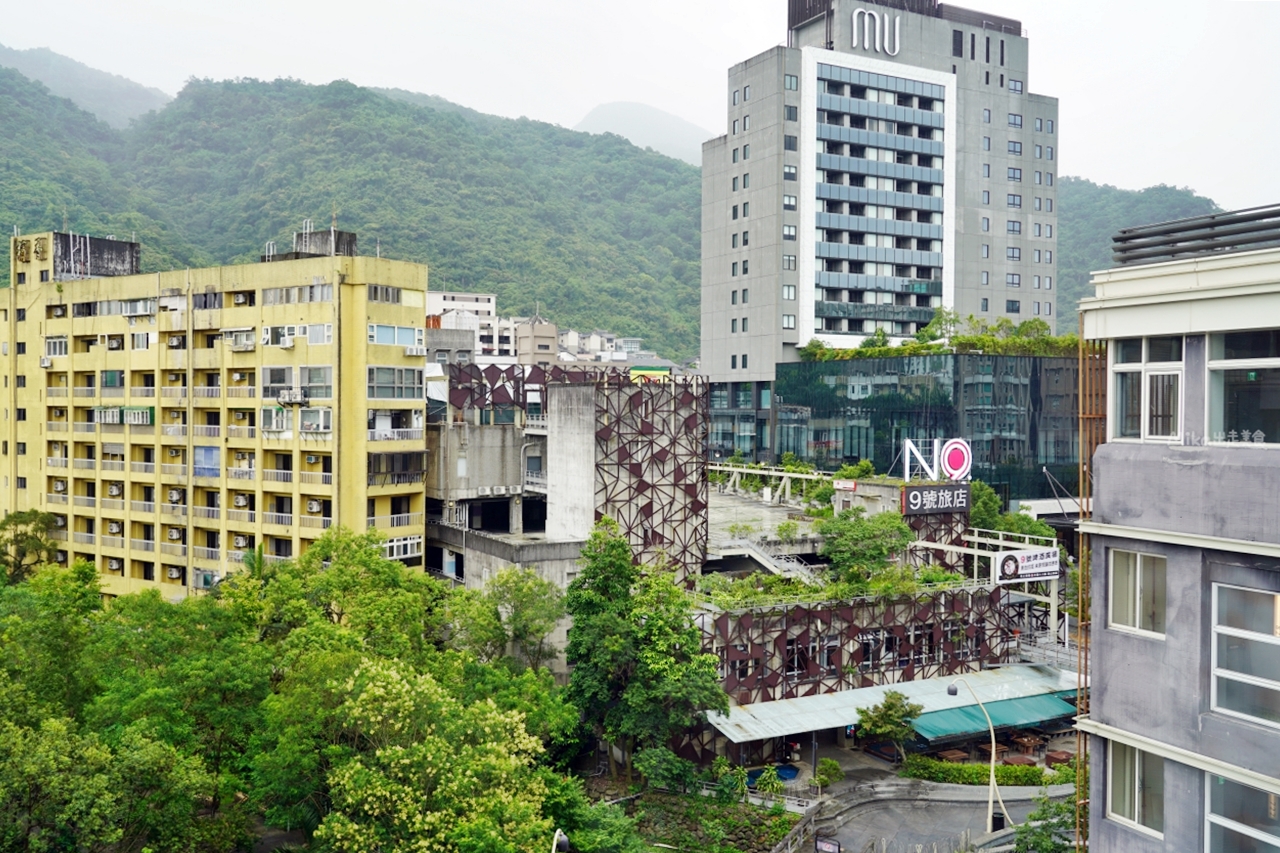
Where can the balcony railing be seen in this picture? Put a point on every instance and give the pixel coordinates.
(173, 470)
(87, 464)
(142, 467)
(241, 432)
(56, 462)
(535, 423)
(85, 391)
(112, 391)
(241, 473)
(315, 521)
(316, 478)
(241, 391)
(207, 391)
(173, 509)
(116, 428)
(55, 426)
(206, 512)
(275, 558)
(142, 544)
(201, 553)
(56, 391)
(83, 426)
(58, 535)
(207, 430)
(83, 538)
(244, 515)
(535, 481)
(111, 542)
(176, 430)
(207, 471)
(277, 475)
(177, 549)
(143, 506)
(112, 503)
(85, 500)
(407, 519)
(54, 498)
(395, 434)
(281, 518)
(235, 556)
(112, 464)
(174, 391)
(395, 478)
(142, 391)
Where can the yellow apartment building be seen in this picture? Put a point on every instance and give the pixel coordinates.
(173, 421)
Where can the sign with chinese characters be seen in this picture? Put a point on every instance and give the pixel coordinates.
(1039, 564)
(952, 459)
(825, 845)
(845, 485)
(935, 500)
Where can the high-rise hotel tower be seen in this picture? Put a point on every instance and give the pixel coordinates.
(889, 161)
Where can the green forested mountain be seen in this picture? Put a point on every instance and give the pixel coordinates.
(112, 98)
(1090, 214)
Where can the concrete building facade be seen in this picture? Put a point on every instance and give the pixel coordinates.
(1185, 707)
(890, 160)
(171, 422)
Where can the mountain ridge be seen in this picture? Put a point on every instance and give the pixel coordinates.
(112, 98)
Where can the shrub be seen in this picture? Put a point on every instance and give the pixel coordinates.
(932, 770)
(830, 768)
(788, 531)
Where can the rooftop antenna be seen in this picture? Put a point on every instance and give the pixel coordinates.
(379, 247)
(333, 232)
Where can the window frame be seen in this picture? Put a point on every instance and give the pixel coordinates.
(1134, 822)
(1215, 391)
(1147, 369)
(1211, 818)
(1123, 628)
(1232, 675)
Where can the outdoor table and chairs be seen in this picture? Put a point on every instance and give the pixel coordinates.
(1054, 757)
(1019, 760)
(1028, 744)
(985, 748)
(955, 756)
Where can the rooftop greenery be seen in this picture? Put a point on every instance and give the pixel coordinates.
(947, 334)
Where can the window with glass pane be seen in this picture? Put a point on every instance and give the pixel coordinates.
(1242, 818)
(1164, 349)
(1138, 591)
(1129, 405)
(1247, 652)
(1128, 351)
(1136, 787)
(1162, 405)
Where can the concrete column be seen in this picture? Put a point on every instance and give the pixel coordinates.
(516, 521)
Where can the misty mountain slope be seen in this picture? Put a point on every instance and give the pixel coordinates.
(649, 127)
(114, 99)
(601, 233)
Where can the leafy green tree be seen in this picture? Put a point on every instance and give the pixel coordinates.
(475, 625)
(768, 783)
(662, 767)
(25, 543)
(591, 827)
(891, 720)
(984, 506)
(429, 773)
(1050, 828)
(529, 607)
(858, 547)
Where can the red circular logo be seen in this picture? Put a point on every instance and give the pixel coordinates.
(957, 459)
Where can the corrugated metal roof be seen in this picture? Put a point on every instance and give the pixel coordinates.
(1007, 713)
(784, 717)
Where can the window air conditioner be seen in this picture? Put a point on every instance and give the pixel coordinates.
(240, 416)
(237, 377)
(59, 485)
(174, 452)
(114, 527)
(174, 343)
(174, 573)
(241, 541)
(60, 556)
(114, 565)
(175, 533)
(240, 299)
(286, 343)
(115, 343)
(46, 362)
(59, 521)
(175, 495)
(59, 310)
(59, 413)
(114, 490)
(311, 460)
(242, 456)
(241, 500)
(174, 377)
(313, 506)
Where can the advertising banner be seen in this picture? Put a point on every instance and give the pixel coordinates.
(1040, 564)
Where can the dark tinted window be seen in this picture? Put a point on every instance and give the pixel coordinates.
(1129, 351)
(1265, 344)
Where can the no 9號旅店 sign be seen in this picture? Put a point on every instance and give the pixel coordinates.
(935, 500)
(1039, 564)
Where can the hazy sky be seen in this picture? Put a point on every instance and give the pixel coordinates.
(1183, 92)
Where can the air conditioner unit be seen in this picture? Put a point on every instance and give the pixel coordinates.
(240, 416)
(237, 377)
(46, 362)
(286, 343)
(115, 343)
(174, 452)
(241, 455)
(114, 490)
(313, 506)
(59, 413)
(293, 396)
(499, 490)
(174, 573)
(174, 377)
(240, 299)
(59, 310)
(175, 342)
(115, 565)
(241, 541)
(59, 485)
(114, 527)
(483, 490)
(415, 351)
(241, 500)
(175, 495)
(60, 556)
(311, 460)
(175, 533)
(59, 521)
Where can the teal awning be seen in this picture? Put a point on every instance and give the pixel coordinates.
(1006, 713)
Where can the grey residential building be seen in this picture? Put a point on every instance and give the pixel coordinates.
(888, 161)
(1184, 721)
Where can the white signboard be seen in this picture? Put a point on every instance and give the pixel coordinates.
(1040, 564)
